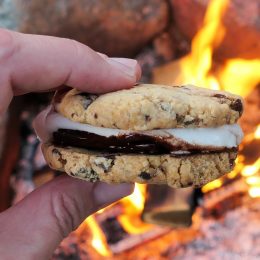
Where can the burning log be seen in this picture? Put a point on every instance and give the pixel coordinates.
(117, 237)
(167, 206)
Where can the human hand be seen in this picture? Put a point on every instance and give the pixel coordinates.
(34, 227)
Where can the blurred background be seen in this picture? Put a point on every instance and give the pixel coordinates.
(209, 43)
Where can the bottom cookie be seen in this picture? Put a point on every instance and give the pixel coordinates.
(176, 171)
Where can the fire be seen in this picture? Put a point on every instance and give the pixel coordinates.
(257, 132)
(98, 240)
(212, 185)
(238, 76)
(134, 205)
(254, 192)
(252, 174)
(130, 219)
(197, 65)
(196, 68)
(250, 170)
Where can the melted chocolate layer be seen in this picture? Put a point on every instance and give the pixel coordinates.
(129, 143)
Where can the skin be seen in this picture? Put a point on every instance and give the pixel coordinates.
(35, 226)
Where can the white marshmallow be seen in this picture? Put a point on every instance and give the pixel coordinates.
(227, 136)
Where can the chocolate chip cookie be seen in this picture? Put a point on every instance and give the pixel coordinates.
(147, 107)
(176, 171)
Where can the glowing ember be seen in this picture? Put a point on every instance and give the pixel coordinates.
(254, 192)
(257, 132)
(212, 185)
(253, 180)
(250, 170)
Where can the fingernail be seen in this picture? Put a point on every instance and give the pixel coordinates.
(128, 66)
(39, 124)
(107, 193)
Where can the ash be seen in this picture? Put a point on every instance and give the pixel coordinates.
(235, 236)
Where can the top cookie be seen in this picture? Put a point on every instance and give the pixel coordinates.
(147, 107)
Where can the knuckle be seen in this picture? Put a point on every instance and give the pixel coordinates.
(7, 45)
(66, 212)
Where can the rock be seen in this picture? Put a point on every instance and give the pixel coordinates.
(7, 14)
(159, 52)
(117, 28)
(242, 22)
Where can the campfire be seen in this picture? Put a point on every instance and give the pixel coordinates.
(161, 223)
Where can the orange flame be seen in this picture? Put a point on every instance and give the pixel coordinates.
(134, 205)
(130, 219)
(238, 76)
(252, 174)
(98, 240)
(195, 68)
(250, 170)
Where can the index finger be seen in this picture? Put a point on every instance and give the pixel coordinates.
(31, 63)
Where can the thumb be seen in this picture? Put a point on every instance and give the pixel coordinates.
(36, 225)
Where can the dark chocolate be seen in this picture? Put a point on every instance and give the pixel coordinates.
(127, 143)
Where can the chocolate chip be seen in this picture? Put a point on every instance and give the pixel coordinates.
(145, 175)
(237, 106)
(179, 118)
(219, 96)
(147, 118)
(95, 116)
(89, 174)
(194, 121)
